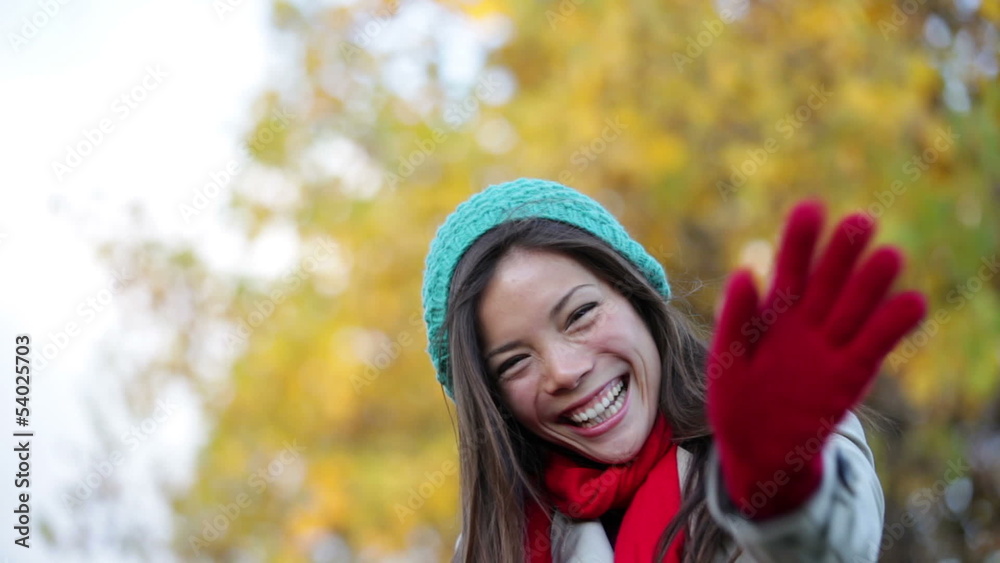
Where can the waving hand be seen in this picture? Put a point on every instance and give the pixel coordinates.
(784, 370)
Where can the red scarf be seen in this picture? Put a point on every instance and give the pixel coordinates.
(648, 487)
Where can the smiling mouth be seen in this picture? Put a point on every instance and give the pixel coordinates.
(603, 407)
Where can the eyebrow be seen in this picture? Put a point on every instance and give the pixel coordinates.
(552, 315)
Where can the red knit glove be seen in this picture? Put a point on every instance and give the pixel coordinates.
(784, 371)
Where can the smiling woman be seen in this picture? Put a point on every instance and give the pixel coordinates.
(579, 368)
(595, 425)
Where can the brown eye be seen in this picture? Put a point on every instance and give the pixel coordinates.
(579, 313)
(508, 364)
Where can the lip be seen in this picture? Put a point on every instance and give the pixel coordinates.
(589, 398)
(610, 423)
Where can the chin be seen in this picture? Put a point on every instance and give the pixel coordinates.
(618, 456)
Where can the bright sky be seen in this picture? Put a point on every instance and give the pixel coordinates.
(172, 83)
(111, 105)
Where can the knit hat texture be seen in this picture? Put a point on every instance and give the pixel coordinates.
(519, 199)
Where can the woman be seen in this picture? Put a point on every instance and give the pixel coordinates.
(595, 425)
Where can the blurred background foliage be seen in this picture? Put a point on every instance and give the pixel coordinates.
(697, 124)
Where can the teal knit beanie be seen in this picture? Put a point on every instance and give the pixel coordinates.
(519, 199)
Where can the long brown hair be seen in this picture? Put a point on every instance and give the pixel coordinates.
(500, 459)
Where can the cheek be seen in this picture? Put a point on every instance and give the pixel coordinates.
(629, 332)
(617, 330)
(520, 400)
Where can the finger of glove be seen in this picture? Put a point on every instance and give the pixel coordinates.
(795, 255)
(887, 326)
(739, 307)
(865, 289)
(847, 243)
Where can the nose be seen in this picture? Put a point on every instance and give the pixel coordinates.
(565, 366)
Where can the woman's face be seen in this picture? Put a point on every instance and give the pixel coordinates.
(575, 363)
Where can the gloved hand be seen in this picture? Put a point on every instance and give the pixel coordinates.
(783, 371)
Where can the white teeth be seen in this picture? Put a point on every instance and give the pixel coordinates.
(603, 408)
(611, 411)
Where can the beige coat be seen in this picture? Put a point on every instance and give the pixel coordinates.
(842, 522)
